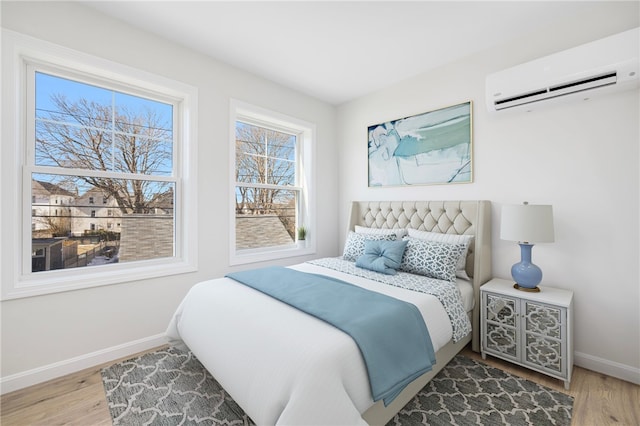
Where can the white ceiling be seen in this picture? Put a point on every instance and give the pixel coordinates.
(337, 51)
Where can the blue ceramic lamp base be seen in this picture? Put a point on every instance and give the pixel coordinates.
(526, 275)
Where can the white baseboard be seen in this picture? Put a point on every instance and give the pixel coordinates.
(610, 368)
(72, 365)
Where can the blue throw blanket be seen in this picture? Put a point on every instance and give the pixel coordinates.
(391, 334)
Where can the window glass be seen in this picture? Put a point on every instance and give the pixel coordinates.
(266, 196)
(267, 224)
(95, 143)
(82, 126)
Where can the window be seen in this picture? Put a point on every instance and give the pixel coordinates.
(90, 138)
(272, 184)
(92, 128)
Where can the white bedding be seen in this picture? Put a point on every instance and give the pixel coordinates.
(280, 365)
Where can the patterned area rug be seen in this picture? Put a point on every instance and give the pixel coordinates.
(171, 387)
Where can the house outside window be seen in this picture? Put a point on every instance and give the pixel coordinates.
(272, 185)
(93, 128)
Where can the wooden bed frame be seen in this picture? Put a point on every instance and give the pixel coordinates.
(447, 217)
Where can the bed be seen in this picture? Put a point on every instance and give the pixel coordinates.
(283, 366)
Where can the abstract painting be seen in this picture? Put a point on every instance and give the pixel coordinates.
(430, 148)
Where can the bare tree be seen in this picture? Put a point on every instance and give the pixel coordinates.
(91, 136)
(263, 156)
(58, 226)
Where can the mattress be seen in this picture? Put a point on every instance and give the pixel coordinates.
(466, 290)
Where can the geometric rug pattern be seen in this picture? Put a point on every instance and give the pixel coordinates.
(467, 392)
(170, 387)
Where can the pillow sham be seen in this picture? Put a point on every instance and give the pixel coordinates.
(461, 267)
(382, 256)
(400, 232)
(354, 246)
(432, 259)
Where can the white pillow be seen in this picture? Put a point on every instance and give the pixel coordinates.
(461, 267)
(399, 232)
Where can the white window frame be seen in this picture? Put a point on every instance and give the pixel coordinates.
(306, 135)
(19, 52)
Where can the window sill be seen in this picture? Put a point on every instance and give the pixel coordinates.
(243, 257)
(81, 278)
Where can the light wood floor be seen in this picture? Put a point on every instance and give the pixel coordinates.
(79, 399)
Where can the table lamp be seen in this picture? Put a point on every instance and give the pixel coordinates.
(527, 224)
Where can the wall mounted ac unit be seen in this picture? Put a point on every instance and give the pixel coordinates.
(603, 66)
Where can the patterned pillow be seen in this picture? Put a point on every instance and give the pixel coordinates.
(382, 256)
(431, 258)
(354, 246)
(461, 269)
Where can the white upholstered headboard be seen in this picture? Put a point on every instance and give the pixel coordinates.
(468, 217)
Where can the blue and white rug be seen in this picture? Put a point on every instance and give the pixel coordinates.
(170, 387)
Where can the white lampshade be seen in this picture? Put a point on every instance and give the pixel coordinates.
(527, 223)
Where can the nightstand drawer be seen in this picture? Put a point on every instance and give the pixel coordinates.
(544, 353)
(501, 340)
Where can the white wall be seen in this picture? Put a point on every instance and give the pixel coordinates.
(50, 334)
(582, 158)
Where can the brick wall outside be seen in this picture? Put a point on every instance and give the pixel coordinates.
(260, 231)
(146, 236)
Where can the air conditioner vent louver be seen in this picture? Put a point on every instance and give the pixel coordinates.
(519, 97)
(605, 79)
(603, 66)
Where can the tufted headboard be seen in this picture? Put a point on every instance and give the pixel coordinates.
(447, 217)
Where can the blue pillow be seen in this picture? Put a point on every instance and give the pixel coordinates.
(382, 256)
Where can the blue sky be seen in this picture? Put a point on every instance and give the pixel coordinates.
(48, 85)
